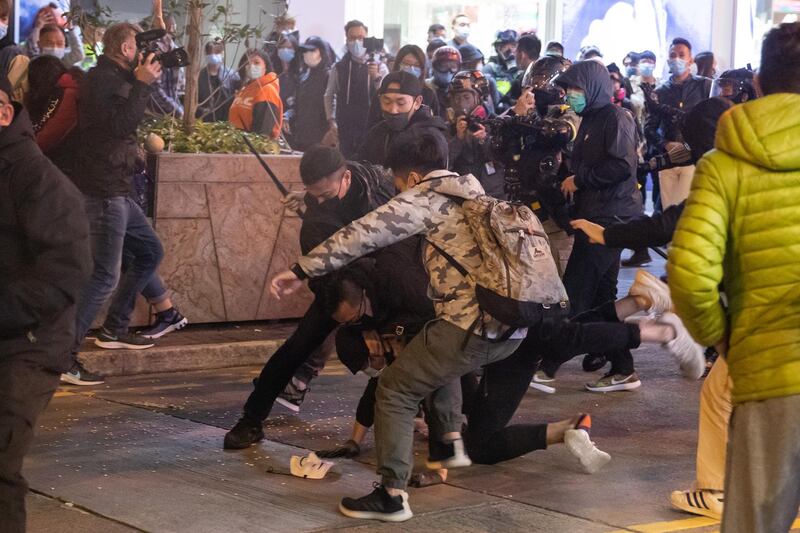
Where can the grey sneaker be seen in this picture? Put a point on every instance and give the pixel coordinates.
(109, 341)
(78, 375)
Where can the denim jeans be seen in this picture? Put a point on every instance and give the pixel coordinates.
(118, 227)
(155, 291)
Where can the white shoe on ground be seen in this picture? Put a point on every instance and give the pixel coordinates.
(544, 383)
(708, 503)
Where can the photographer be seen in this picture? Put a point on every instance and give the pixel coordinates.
(112, 103)
(469, 151)
(351, 85)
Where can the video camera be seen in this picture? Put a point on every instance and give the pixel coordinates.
(374, 47)
(147, 43)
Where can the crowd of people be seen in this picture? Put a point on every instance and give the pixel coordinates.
(462, 236)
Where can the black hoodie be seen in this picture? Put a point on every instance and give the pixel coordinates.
(376, 145)
(46, 259)
(604, 157)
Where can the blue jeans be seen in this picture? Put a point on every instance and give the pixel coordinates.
(117, 226)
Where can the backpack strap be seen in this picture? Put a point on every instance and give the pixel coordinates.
(450, 259)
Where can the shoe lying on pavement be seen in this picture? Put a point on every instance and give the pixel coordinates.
(78, 375)
(109, 341)
(291, 397)
(615, 382)
(579, 443)
(639, 258)
(542, 382)
(447, 455)
(652, 289)
(689, 354)
(378, 505)
(708, 503)
(166, 322)
(245, 433)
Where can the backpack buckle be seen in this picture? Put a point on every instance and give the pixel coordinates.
(399, 330)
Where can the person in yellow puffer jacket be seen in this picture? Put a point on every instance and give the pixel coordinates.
(741, 226)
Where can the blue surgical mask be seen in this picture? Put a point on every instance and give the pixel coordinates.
(357, 49)
(286, 54)
(255, 71)
(442, 79)
(630, 71)
(646, 69)
(677, 66)
(214, 59)
(3, 31)
(577, 101)
(414, 71)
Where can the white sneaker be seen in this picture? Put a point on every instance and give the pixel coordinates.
(581, 446)
(542, 382)
(458, 459)
(652, 289)
(708, 503)
(688, 353)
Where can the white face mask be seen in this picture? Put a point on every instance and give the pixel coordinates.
(255, 71)
(312, 58)
(3, 31)
(462, 32)
(356, 48)
(55, 52)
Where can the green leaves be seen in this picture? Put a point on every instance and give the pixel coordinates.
(207, 137)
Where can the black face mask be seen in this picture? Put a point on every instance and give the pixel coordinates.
(396, 121)
(509, 56)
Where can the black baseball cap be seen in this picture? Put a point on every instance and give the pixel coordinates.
(406, 83)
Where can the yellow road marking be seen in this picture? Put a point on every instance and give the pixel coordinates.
(682, 525)
(673, 525)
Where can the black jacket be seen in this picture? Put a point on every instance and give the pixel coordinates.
(371, 187)
(307, 110)
(643, 232)
(112, 104)
(46, 259)
(663, 124)
(375, 148)
(604, 157)
(429, 98)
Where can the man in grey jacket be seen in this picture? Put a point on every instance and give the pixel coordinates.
(448, 347)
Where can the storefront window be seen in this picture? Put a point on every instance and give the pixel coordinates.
(407, 21)
(754, 20)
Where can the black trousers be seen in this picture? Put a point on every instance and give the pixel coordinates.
(25, 390)
(312, 330)
(491, 405)
(591, 281)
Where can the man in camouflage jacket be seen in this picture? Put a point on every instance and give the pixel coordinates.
(445, 350)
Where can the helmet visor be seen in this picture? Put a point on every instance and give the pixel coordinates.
(725, 88)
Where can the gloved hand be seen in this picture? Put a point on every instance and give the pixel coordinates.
(348, 450)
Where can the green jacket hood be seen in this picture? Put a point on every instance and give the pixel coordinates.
(764, 132)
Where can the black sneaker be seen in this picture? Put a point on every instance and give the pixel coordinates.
(378, 505)
(594, 362)
(447, 455)
(639, 258)
(166, 322)
(78, 375)
(107, 340)
(291, 397)
(245, 433)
